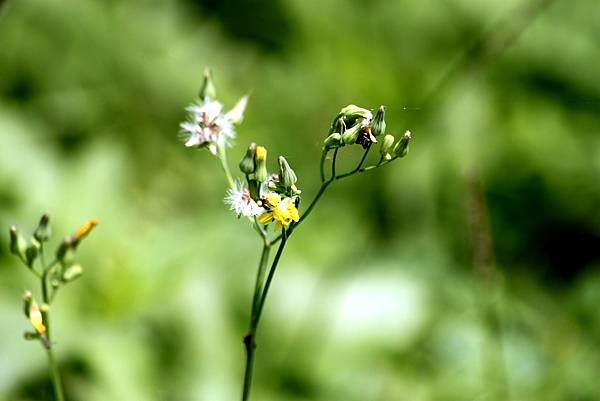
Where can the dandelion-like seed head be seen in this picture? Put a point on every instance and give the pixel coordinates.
(241, 203)
(207, 126)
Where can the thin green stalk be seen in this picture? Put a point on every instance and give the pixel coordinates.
(55, 376)
(364, 169)
(260, 277)
(260, 297)
(322, 164)
(314, 201)
(364, 157)
(333, 163)
(47, 299)
(265, 292)
(223, 158)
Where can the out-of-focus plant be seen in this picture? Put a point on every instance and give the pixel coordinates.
(62, 270)
(263, 197)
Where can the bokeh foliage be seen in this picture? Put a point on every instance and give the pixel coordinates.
(380, 296)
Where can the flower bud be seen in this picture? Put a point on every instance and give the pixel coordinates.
(83, 231)
(32, 252)
(36, 319)
(338, 125)
(27, 300)
(254, 189)
(286, 174)
(72, 272)
(378, 123)
(236, 115)
(352, 113)
(18, 245)
(42, 232)
(260, 158)
(333, 141)
(351, 135)
(65, 252)
(386, 145)
(401, 148)
(30, 335)
(207, 90)
(247, 165)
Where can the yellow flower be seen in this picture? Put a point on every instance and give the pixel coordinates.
(283, 211)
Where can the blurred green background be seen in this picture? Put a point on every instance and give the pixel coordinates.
(466, 271)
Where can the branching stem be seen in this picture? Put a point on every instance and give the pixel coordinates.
(260, 291)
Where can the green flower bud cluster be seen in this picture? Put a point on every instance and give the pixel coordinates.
(63, 269)
(254, 166)
(389, 149)
(355, 125)
(52, 276)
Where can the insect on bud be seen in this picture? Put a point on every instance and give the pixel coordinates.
(401, 148)
(42, 232)
(207, 90)
(286, 174)
(247, 165)
(386, 145)
(260, 158)
(378, 123)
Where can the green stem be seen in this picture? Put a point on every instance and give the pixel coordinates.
(314, 201)
(55, 376)
(333, 163)
(260, 296)
(322, 164)
(47, 342)
(223, 158)
(265, 292)
(260, 277)
(249, 338)
(364, 169)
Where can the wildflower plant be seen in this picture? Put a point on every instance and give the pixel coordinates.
(52, 276)
(268, 199)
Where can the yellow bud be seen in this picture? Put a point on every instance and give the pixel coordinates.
(35, 317)
(84, 230)
(261, 164)
(261, 153)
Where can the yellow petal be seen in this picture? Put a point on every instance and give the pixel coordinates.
(273, 199)
(265, 218)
